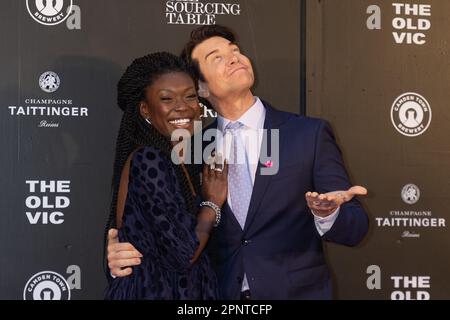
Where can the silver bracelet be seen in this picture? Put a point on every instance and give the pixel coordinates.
(216, 209)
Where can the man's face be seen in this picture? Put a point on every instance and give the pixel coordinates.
(226, 70)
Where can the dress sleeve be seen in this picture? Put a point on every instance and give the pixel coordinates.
(153, 183)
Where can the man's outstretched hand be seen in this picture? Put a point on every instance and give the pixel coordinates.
(325, 204)
(121, 255)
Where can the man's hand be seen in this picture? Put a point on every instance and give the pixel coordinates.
(121, 256)
(325, 204)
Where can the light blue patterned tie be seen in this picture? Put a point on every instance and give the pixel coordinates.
(239, 180)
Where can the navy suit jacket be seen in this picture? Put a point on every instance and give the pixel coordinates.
(280, 249)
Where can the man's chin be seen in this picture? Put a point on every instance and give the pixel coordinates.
(243, 86)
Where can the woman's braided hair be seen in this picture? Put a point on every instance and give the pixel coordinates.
(135, 132)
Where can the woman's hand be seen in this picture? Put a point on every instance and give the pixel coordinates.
(215, 184)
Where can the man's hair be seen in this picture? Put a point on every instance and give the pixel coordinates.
(198, 36)
(135, 132)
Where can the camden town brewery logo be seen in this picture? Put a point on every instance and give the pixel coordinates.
(46, 285)
(49, 12)
(411, 114)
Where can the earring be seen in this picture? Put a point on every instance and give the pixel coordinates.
(148, 121)
(203, 90)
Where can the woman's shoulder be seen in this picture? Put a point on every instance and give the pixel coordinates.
(148, 153)
(149, 156)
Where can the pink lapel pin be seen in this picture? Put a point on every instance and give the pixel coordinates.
(268, 164)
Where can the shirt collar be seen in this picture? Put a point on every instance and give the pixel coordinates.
(251, 118)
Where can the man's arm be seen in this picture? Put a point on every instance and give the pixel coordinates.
(121, 255)
(334, 191)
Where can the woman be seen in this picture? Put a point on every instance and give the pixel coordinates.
(155, 202)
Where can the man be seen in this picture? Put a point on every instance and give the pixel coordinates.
(269, 242)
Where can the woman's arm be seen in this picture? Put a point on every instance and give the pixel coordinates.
(215, 190)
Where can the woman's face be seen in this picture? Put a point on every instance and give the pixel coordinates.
(171, 103)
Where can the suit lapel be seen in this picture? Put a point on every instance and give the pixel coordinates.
(273, 120)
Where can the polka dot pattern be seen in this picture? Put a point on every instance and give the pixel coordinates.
(157, 222)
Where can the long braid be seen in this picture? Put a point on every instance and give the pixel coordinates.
(135, 132)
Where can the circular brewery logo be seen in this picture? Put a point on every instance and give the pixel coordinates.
(410, 193)
(49, 12)
(49, 81)
(411, 114)
(46, 285)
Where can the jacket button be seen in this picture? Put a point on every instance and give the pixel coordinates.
(246, 242)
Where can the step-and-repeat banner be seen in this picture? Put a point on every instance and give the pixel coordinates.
(60, 64)
(379, 71)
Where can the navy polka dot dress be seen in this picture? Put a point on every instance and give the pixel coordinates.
(157, 222)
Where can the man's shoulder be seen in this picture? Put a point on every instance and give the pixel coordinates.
(293, 119)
